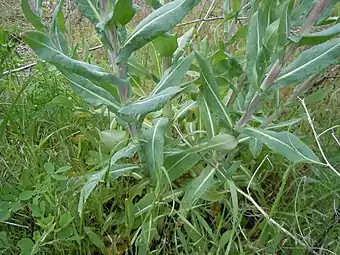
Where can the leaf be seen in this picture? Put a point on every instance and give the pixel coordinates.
(255, 147)
(256, 31)
(138, 69)
(92, 181)
(151, 103)
(211, 91)
(26, 246)
(95, 239)
(184, 110)
(207, 117)
(4, 242)
(113, 140)
(166, 44)
(320, 37)
(49, 168)
(119, 170)
(58, 28)
(123, 12)
(197, 188)
(155, 4)
(46, 50)
(125, 152)
(36, 212)
(284, 143)
(174, 75)
(310, 61)
(94, 95)
(32, 17)
(63, 169)
(26, 195)
(89, 9)
(154, 25)
(220, 142)
(177, 165)
(183, 42)
(153, 147)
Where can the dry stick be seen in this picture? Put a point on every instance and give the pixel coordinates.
(200, 20)
(211, 8)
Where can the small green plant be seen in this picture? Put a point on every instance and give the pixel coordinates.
(181, 142)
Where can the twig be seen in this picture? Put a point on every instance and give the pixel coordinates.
(200, 20)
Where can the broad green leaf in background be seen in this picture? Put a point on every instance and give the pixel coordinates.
(95, 239)
(114, 140)
(137, 68)
(310, 61)
(123, 12)
(4, 242)
(211, 91)
(94, 95)
(32, 17)
(178, 164)
(207, 117)
(151, 103)
(92, 181)
(26, 246)
(197, 188)
(46, 50)
(154, 25)
(256, 32)
(284, 143)
(320, 37)
(220, 142)
(166, 44)
(174, 75)
(153, 147)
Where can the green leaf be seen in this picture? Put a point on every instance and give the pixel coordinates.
(256, 32)
(36, 212)
(320, 37)
(197, 188)
(89, 8)
(94, 95)
(155, 4)
(26, 246)
(119, 170)
(310, 61)
(46, 50)
(184, 110)
(26, 195)
(138, 69)
(220, 142)
(255, 147)
(166, 44)
(95, 239)
(211, 91)
(177, 164)
(32, 17)
(153, 147)
(63, 169)
(183, 42)
(125, 152)
(4, 242)
(58, 29)
(113, 140)
(154, 25)
(174, 75)
(49, 168)
(151, 103)
(284, 143)
(123, 12)
(92, 181)
(207, 117)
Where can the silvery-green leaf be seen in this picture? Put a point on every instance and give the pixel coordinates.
(153, 147)
(151, 103)
(116, 171)
(184, 110)
(208, 118)
(310, 61)
(125, 152)
(154, 25)
(58, 28)
(182, 42)
(284, 143)
(113, 140)
(211, 91)
(320, 37)
(197, 188)
(255, 147)
(174, 75)
(31, 15)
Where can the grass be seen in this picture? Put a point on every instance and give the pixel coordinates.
(45, 127)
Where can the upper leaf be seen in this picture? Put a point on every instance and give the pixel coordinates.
(157, 23)
(32, 17)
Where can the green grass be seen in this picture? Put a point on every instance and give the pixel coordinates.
(42, 124)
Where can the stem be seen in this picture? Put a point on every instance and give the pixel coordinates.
(167, 110)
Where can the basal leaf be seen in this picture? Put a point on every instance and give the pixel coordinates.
(154, 25)
(310, 61)
(32, 17)
(211, 91)
(284, 143)
(174, 75)
(197, 188)
(151, 103)
(153, 147)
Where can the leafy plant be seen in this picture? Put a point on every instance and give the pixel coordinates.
(181, 143)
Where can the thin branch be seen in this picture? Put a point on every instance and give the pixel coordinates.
(200, 20)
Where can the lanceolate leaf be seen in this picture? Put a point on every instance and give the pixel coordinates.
(91, 93)
(174, 75)
(119, 170)
(183, 42)
(125, 152)
(151, 103)
(184, 110)
(310, 61)
(320, 37)
(207, 117)
(283, 143)
(178, 164)
(157, 23)
(58, 28)
(211, 91)
(46, 50)
(32, 17)
(166, 44)
(89, 8)
(153, 147)
(197, 188)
